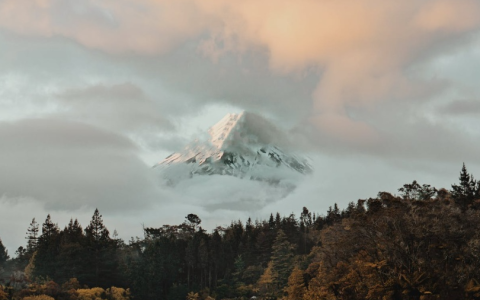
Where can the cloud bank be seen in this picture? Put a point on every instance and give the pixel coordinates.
(67, 165)
(362, 49)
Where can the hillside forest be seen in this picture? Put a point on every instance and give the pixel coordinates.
(419, 243)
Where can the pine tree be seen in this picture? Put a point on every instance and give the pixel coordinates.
(282, 259)
(296, 285)
(266, 280)
(250, 240)
(306, 222)
(239, 267)
(45, 261)
(203, 261)
(21, 257)
(32, 236)
(101, 254)
(462, 190)
(271, 222)
(74, 230)
(96, 231)
(71, 255)
(3, 254)
(49, 229)
(467, 190)
(306, 217)
(278, 221)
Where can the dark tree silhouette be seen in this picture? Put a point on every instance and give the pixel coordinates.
(3, 254)
(32, 236)
(467, 191)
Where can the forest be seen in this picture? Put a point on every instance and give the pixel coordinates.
(419, 243)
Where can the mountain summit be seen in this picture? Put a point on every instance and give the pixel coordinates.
(243, 145)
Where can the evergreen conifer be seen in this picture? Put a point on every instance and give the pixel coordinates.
(32, 236)
(3, 254)
(282, 259)
(296, 285)
(467, 191)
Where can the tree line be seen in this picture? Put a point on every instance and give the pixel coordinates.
(423, 243)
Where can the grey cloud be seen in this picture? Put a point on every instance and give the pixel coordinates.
(54, 78)
(345, 178)
(227, 193)
(245, 82)
(120, 107)
(396, 138)
(424, 140)
(67, 165)
(170, 143)
(461, 107)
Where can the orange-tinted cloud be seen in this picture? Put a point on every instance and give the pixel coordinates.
(362, 47)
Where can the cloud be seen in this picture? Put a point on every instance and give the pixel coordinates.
(112, 25)
(362, 48)
(399, 134)
(461, 107)
(228, 193)
(348, 178)
(67, 165)
(360, 53)
(16, 213)
(119, 107)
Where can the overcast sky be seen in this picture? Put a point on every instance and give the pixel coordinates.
(93, 93)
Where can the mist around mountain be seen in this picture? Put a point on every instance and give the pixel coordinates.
(243, 145)
(244, 162)
(420, 244)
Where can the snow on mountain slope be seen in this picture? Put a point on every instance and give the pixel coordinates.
(241, 145)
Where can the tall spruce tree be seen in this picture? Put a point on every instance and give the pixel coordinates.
(72, 249)
(239, 268)
(271, 222)
(265, 282)
(49, 229)
(3, 254)
(101, 258)
(45, 261)
(282, 259)
(306, 222)
(32, 236)
(96, 231)
(467, 191)
(278, 221)
(296, 285)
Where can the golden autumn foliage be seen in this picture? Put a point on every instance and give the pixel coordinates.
(97, 293)
(193, 296)
(3, 294)
(115, 293)
(40, 297)
(90, 294)
(400, 249)
(265, 282)
(70, 290)
(296, 285)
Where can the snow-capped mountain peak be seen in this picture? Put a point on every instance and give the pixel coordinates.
(240, 145)
(221, 131)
